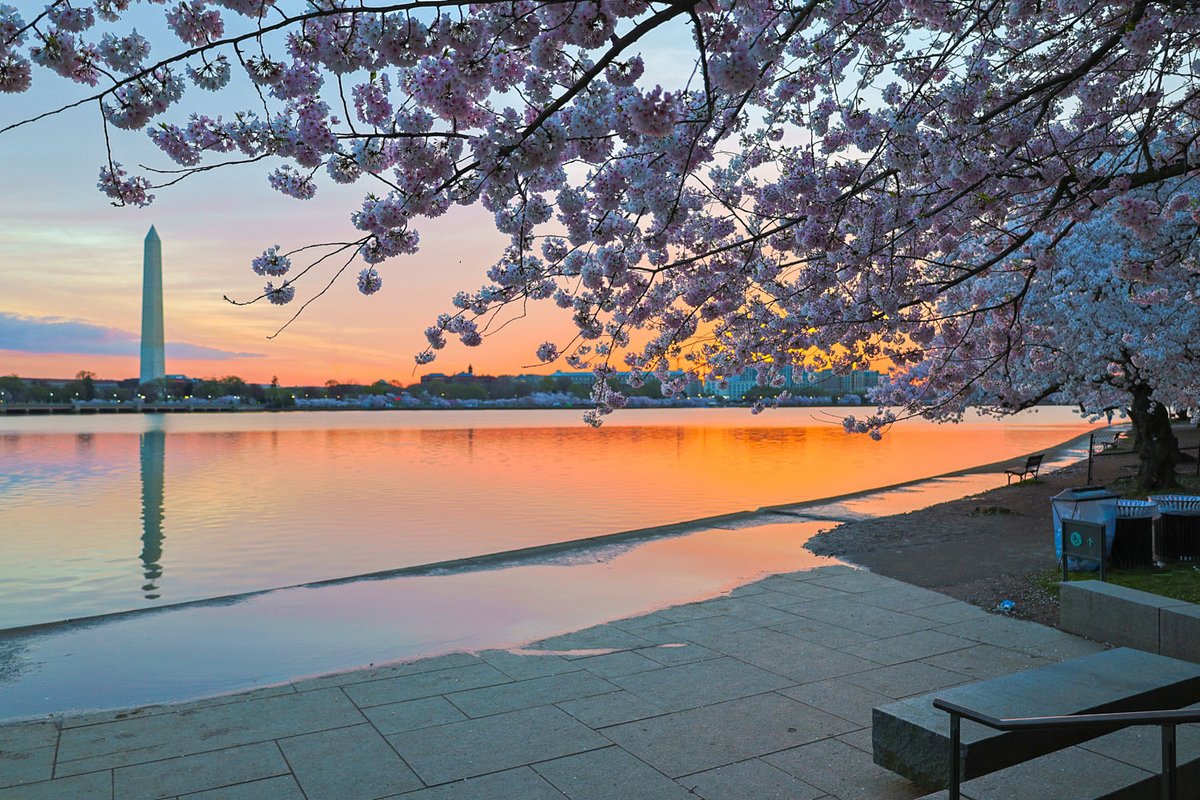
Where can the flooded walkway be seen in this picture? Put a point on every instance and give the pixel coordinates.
(764, 693)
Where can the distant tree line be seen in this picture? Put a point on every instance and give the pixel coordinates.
(14, 389)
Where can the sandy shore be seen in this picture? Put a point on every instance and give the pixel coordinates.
(983, 548)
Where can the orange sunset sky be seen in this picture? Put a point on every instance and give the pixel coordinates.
(71, 265)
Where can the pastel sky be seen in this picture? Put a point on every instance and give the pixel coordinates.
(71, 264)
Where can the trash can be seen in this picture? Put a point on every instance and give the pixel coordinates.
(1088, 504)
(1180, 526)
(1133, 540)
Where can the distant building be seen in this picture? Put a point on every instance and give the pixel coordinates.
(467, 377)
(588, 378)
(803, 382)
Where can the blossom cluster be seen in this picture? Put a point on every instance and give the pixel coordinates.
(860, 181)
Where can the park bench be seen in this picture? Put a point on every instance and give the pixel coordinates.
(1032, 465)
(912, 737)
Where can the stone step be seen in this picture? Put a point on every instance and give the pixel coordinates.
(1124, 765)
(911, 737)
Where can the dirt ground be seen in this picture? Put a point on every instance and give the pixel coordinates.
(983, 549)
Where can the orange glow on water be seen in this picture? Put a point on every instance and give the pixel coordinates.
(185, 506)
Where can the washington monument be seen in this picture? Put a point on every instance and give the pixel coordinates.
(154, 361)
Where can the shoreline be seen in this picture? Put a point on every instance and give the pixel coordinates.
(282, 635)
(981, 548)
(501, 559)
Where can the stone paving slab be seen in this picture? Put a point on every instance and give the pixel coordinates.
(409, 715)
(365, 766)
(139, 740)
(424, 684)
(600, 711)
(528, 694)
(763, 694)
(705, 738)
(282, 788)
(175, 776)
(844, 772)
(522, 783)
(700, 684)
(609, 774)
(26, 766)
(752, 778)
(476, 747)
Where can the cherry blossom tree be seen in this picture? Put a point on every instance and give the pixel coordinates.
(822, 175)
(1090, 318)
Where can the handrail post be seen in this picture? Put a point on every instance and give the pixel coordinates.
(1168, 782)
(955, 738)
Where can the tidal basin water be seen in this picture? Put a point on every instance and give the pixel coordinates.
(102, 514)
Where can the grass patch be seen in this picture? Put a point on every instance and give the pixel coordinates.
(1180, 580)
(1189, 483)
(987, 511)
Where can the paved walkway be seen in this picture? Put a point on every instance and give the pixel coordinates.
(766, 693)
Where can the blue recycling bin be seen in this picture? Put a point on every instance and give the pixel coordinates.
(1087, 504)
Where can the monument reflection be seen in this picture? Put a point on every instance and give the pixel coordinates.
(152, 452)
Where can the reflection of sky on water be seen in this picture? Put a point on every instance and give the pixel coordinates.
(223, 504)
(275, 636)
(213, 647)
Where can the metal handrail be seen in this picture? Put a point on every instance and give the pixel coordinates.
(1166, 719)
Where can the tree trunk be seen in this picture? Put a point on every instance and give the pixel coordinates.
(1157, 447)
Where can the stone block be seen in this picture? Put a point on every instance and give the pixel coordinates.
(522, 783)
(587, 641)
(702, 739)
(842, 771)
(911, 737)
(26, 766)
(93, 786)
(490, 744)
(409, 715)
(670, 655)
(527, 664)
(613, 665)
(753, 778)
(283, 787)
(1179, 632)
(144, 739)
(176, 776)
(700, 684)
(799, 660)
(1110, 613)
(909, 647)
(904, 680)
(867, 619)
(424, 684)
(527, 694)
(347, 763)
(28, 736)
(601, 710)
(609, 774)
(1071, 774)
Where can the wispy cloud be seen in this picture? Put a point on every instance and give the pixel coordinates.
(61, 335)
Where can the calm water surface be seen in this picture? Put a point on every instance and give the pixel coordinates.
(102, 514)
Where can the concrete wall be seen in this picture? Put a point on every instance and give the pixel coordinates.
(1131, 618)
